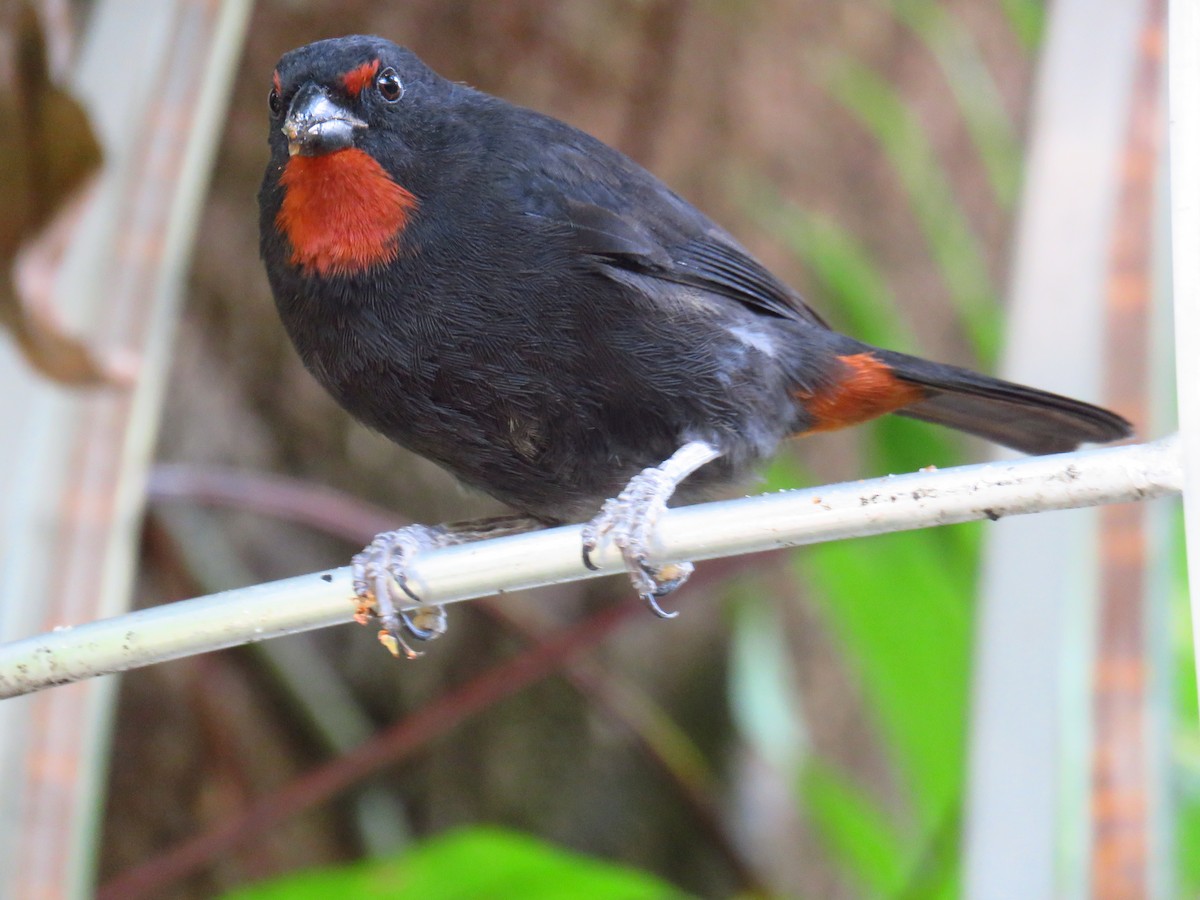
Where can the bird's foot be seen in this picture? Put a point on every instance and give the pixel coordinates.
(382, 587)
(384, 590)
(629, 520)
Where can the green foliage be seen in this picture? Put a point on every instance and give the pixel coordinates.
(975, 92)
(1187, 841)
(857, 832)
(900, 605)
(472, 864)
(861, 301)
(903, 619)
(1027, 18)
(1185, 727)
(955, 250)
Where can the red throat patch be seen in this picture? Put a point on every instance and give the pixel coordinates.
(868, 390)
(341, 212)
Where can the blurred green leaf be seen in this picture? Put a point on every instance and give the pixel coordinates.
(1187, 840)
(899, 605)
(900, 445)
(975, 91)
(1027, 18)
(472, 864)
(1186, 724)
(855, 295)
(855, 829)
(956, 252)
(906, 627)
(857, 300)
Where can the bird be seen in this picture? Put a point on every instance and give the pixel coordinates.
(539, 315)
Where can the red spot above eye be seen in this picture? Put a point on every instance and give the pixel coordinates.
(342, 212)
(276, 83)
(867, 390)
(357, 79)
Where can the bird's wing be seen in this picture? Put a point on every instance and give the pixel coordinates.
(624, 218)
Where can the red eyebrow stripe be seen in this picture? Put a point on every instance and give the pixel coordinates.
(357, 79)
(276, 83)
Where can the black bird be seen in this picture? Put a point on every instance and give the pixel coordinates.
(521, 303)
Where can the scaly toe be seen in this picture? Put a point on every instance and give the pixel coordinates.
(605, 521)
(628, 521)
(396, 645)
(382, 587)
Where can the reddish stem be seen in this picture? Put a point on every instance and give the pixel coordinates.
(385, 749)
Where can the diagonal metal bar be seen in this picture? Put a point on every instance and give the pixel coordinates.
(771, 521)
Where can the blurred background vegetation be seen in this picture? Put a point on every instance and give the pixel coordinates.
(801, 729)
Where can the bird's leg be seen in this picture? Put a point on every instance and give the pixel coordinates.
(628, 520)
(381, 583)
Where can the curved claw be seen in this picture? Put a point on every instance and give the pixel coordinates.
(651, 601)
(391, 618)
(421, 634)
(409, 593)
(588, 549)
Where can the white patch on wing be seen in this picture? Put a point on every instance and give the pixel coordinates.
(760, 341)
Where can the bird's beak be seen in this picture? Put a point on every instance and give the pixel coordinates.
(316, 125)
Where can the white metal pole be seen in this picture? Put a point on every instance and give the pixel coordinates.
(771, 521)
(1025, 827)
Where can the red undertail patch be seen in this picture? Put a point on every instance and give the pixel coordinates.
(868, 389)
(357, 79)
(341, 212)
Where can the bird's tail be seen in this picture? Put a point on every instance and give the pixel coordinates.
(1013, 415)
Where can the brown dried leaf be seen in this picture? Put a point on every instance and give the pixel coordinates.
(47, 152)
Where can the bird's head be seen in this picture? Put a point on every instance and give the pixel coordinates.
(347, 118)
(358, 91)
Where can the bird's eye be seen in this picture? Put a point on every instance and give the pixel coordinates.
(273, 101)
(388, 83)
